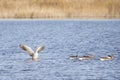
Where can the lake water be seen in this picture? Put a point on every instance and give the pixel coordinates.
(62, 39)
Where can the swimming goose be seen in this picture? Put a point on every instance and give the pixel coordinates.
(33, 54)
(109, 57)
(73, 57)
(86, 57)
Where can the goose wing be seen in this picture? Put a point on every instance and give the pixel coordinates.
(105, 57)
(26, 48)
(38, 49)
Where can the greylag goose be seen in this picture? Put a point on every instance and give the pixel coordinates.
(86, 57)
(109, 57)
(33, 54)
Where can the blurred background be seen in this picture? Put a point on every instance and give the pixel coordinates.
(60, 9)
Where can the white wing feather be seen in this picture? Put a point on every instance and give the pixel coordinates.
(26, 48)
(38, 49)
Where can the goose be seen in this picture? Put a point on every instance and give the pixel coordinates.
(73, 57)
(109, 57)
(33, 54)
(86, 57)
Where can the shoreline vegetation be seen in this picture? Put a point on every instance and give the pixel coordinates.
(60, 9)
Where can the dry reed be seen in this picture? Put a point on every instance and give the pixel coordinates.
(58, 9)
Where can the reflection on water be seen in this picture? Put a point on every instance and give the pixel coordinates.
(62, 39)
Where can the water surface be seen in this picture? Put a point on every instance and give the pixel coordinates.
(62, 39)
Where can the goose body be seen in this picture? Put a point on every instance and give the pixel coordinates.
(86, 57)
(33, 54)
(109, 57)
(73, 57)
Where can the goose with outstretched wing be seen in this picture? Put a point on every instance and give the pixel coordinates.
(33, 54)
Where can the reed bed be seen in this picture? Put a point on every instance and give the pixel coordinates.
(60, 9)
